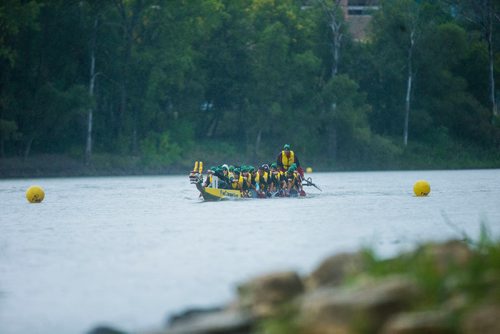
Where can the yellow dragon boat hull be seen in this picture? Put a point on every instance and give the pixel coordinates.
(214, 194)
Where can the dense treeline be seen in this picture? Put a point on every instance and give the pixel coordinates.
(167, 82)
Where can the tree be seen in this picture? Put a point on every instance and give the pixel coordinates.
(337, 26)
(398, 27)
(16, 17)
(484, 14)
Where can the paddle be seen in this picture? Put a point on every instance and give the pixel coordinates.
(309, 182)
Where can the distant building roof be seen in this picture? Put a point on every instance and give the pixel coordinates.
(358, 15)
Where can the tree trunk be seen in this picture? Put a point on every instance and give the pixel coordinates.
(409, 87)
(88, 147)
(135, 142)
(27, 149)
(336, 29)
(332, 142)
(213, 126)
(257, 142)
(491, 59)
(337, 39)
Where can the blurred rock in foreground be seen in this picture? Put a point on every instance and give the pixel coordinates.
(439, 288)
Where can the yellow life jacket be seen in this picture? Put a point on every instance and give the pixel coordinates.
(262, 179)
(209, 180)
(240, 182)
(287, 162)
(248, 181)
(235, 184)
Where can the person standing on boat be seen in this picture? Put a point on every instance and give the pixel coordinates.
(287, 158)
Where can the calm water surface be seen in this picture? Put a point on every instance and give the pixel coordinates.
(129, 251)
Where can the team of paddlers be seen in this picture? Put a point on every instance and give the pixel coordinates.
(281, 178)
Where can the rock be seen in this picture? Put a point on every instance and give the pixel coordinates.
(191, 314)
(105, 330)
(209, 321)
(456, 303)
(448, 255)
(334, 270)
(363, 307)
(429, 322)
(484, 320)
(264, 295)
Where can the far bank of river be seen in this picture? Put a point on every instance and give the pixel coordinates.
(58, 165)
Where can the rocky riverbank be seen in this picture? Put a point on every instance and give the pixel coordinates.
(450, 287)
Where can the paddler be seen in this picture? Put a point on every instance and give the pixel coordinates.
(286, 158)
(294, 180)
(263, 181)
(209, 179)
(277, 180)
(236, 180)
(230, 173)
(247, 179)
(223, 174)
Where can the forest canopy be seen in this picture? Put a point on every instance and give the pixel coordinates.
(171, 82)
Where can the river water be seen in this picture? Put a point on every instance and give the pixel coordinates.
(129, 251)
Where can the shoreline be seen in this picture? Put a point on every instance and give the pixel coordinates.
(54, 166)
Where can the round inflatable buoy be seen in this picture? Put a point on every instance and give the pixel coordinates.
(309, 170)
(422, 188)
(35, 194)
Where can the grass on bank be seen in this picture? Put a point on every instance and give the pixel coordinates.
(457, 283)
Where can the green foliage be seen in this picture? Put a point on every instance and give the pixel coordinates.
(283, 323)
(8, 130)
(158, 149)
(15, 17)
(481, 280)
(476, 277)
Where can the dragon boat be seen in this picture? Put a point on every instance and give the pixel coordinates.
(214, 193)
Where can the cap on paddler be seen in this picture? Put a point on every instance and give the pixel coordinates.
(286, 147)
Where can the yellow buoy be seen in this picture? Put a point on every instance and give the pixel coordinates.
(35, 194)
(309, 170)
(422, 188)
